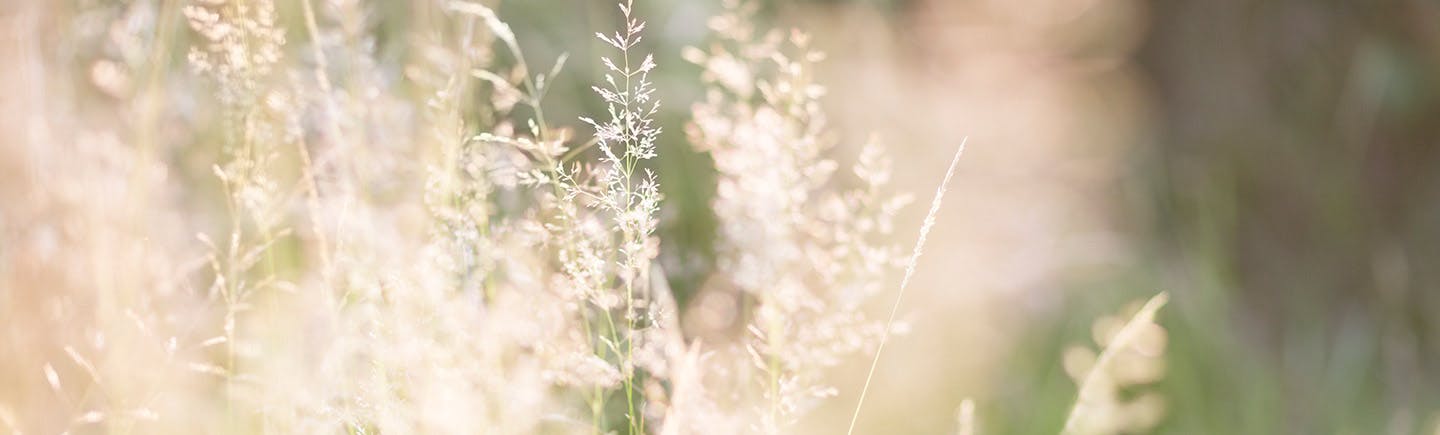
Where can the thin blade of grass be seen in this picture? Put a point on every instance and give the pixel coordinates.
(905, 282)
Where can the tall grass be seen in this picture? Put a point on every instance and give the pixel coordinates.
(295, 229)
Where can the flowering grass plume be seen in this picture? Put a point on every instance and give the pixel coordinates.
(801, 249)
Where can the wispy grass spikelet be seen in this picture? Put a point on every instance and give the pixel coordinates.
(905, 282)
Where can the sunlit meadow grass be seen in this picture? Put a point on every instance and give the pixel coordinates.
(290, 231)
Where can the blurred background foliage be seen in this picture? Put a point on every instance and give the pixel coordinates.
(1295, 199)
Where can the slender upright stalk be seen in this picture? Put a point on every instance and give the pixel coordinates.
(905, 282)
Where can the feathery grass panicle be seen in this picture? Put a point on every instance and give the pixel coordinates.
(240, 48)
(625, 140)
(1131, 355)
(806, 252)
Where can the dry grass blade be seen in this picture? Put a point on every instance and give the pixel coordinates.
(905, 282)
